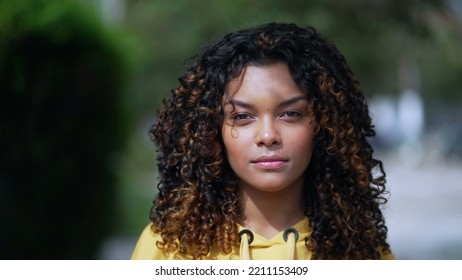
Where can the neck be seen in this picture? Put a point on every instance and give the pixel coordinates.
(268, 213)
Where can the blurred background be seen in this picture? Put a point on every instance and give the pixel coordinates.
(81, 80)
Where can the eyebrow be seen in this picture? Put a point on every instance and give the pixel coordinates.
(282, 104)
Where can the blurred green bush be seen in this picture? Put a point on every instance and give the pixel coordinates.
(62, 74)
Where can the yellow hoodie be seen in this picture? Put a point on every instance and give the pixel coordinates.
(285, 245)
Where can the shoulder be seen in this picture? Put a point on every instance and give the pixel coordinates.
(146, 248)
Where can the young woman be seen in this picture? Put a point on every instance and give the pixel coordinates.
(263, 154)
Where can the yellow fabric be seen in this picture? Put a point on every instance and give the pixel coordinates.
(260, 249)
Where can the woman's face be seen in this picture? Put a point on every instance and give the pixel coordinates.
(268, 135)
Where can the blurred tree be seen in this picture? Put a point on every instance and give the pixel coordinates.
(375, 36)
(61, 76)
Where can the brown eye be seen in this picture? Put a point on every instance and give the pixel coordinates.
(291, 114)
(239, 117)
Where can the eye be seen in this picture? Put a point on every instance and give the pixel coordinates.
(240, 117)
(291, 114)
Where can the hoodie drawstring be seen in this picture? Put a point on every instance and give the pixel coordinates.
(246, 239)
(290, 236)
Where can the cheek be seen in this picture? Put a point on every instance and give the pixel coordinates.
(230, 141)
(302, 141)
(237, 143)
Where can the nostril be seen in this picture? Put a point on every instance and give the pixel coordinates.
(268, 135)
(268, 139)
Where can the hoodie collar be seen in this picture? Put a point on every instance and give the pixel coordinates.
(302, 227)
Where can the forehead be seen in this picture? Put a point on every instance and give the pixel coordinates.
(258, 80)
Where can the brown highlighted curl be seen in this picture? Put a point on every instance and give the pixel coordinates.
(197, 205)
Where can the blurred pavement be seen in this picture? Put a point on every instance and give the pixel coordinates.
(424, 214)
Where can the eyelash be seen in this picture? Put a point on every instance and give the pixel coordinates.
(292, 114)
(239, 116)
(286, 114)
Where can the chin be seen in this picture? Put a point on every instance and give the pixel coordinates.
(269, 187)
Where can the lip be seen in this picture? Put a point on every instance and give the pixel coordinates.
(269, 162)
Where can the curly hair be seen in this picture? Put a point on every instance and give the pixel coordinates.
(196, 207)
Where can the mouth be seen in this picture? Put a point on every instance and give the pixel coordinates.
(269, 162)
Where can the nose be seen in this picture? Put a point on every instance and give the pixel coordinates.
(267, 134)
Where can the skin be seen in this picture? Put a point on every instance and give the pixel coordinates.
(270, 119)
